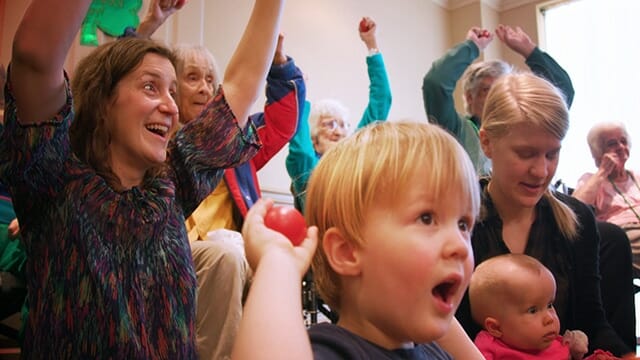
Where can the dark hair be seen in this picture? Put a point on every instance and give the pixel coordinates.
(3, 80)
(93, 86)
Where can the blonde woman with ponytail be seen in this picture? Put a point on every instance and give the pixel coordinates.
(524, 121)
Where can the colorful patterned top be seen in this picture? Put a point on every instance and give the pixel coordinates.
(109, 273)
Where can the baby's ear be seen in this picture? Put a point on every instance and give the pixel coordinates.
(340, 252)
(492, 325)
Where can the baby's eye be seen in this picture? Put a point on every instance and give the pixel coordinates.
(550, 305)
(532, 310)
(426, 218)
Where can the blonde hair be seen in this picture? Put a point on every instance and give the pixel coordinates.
(493, 285)
(524, 98)
(595, 140)
(369, 169)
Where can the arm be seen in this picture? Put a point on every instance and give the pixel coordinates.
(589, 184)
(302, 158)
(379, 88)
(457, 343)
(286, 95)
(40, 47)
(440, 82)
(157, 13)
(279, 268)
(587, 188)
(34, 142)
(538, 61)
(250, 62)
(198, 159)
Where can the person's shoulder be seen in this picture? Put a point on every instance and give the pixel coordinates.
(334, 342)
(585, 176)
(330, 341)
(579, 208)
(434, 351)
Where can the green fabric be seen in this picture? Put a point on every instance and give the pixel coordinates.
(6, 211)
(12, 260)
(440, 82)
(12, 254)
(437, 91)
(302, 157)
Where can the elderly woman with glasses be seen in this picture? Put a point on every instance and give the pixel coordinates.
(328, 119)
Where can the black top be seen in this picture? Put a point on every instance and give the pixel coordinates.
(574, 264)
(334, 342)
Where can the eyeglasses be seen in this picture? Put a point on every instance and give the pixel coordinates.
(334, 124)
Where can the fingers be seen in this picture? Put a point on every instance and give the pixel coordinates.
(608, 163)
(307, 249)
(480, 36)
(279, 56)
(280, 42)
(14, 228)
(502, 32)
(366, 25)
(311, 240)
(171, 4)
(258, 211)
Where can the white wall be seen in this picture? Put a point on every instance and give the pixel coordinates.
(322, 37)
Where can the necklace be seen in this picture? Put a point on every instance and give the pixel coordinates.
(624, 197)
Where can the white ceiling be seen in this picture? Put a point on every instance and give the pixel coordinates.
(499, 5)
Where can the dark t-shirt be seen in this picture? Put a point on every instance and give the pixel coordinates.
(333, 342)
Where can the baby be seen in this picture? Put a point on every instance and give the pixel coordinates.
(512, 298)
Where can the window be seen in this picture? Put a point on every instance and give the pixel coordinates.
(597, 42)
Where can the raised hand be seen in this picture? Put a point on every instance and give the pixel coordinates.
(481, 37)
(610, 166)
(157, 13)
(367, 30)
(516, 39)
(280, 57)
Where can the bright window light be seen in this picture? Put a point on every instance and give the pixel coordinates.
(597, 42)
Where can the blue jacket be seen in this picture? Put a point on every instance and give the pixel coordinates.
(286, 95)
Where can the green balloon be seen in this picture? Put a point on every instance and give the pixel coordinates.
(110, 16)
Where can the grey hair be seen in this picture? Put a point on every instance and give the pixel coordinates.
(481, 70)
(594, 137)
(186, 52)
(326, 108)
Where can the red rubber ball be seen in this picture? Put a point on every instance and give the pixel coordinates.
(288, 221)
(363, 26)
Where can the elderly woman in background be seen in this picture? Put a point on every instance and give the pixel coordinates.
(613, 190)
